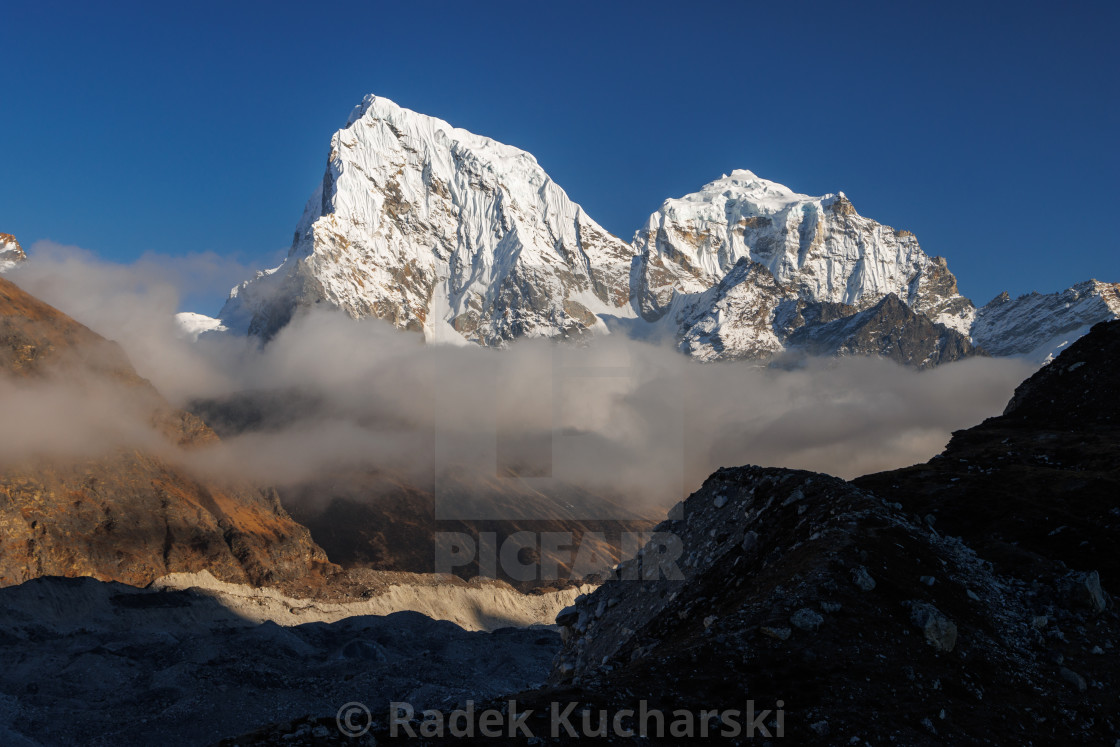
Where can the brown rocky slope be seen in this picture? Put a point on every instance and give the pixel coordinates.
(127, 512)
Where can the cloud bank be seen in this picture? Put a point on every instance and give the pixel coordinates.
(638, 420)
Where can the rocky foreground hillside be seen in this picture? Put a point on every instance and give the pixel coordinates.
(190, 661)
(964, 601)
(124, 512)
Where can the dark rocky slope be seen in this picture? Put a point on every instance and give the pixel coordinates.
(94, 663)
(890, 329)
(963, 601)
(1040, 484)
(960, 602)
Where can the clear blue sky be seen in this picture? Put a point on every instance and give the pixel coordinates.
(990, 130)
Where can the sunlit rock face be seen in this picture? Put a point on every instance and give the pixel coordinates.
(1039, 326)
(123, 512)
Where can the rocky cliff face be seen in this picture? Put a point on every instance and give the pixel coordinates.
(890, 329)
(749, 315)
(11, 253)
(1039, 483)
(444, 232)
(131, 515)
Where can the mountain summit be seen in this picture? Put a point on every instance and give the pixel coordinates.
(466, 240)
(819, 247)
(11, 253)
(440, 231)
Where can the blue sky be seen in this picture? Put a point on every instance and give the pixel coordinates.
(987, 129)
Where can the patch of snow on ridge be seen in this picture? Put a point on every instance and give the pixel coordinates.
(11, 253)
(191, 325)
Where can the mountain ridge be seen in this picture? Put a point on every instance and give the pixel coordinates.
(467, 240)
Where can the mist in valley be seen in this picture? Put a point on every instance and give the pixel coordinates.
(638, 422)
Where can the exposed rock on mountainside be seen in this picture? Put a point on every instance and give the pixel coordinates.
(1039, 326)
(11, 253)
(926, 605)
(479, 604)
(890, 329)
(128, 515)
(735, 318)
(440, 231)
(749, 315)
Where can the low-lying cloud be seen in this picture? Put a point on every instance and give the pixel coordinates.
(633, 419)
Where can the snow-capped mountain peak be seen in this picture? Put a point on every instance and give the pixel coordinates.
(1038, 326)
(467, 240)
(818, 246)
(11, 253)
(439, 230)
(742, 185)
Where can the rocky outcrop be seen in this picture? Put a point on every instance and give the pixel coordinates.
(750, 315)
(889, 329)
(128, 514)
(1038, 484)
(735, 319)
